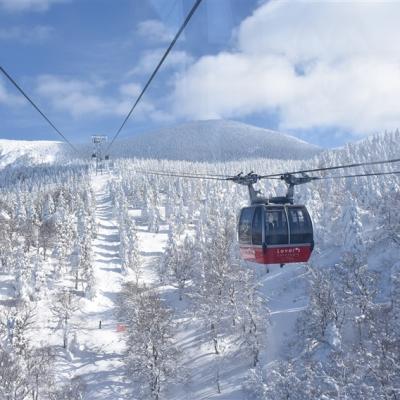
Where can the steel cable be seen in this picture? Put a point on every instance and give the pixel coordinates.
(189, 16)
(37, 108)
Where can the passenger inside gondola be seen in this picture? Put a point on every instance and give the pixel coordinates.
(276, 229)
(271, 222)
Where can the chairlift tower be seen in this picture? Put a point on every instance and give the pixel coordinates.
(98, 150)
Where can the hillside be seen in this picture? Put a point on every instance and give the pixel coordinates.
(214, 140)
(24, 152)
(96, 266)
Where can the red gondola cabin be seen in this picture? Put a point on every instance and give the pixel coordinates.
(275, 234)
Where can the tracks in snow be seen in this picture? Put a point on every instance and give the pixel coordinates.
(98, 358)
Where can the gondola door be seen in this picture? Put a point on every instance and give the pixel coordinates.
(288, 235)
(247, 251)
(251, 232)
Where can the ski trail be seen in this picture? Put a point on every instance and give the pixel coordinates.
(286, 291)
(98, 356)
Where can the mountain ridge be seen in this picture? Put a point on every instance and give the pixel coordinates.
(214, 140)
(206, 141)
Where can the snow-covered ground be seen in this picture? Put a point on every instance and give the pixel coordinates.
(26, 152)
(321, 315)
(98, 352)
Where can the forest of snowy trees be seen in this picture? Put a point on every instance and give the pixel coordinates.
(47, 225)
(194, 308)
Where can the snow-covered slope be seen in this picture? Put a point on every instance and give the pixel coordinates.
(153, 259)
(214, 140)
(24, 152)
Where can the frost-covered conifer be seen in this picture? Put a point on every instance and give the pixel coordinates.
(132, 254)
(24, 286)
(64, 236)
(48, 208)
(5, 241)
(170, 255)
(181, 263)
(352, 236)
(84, 270)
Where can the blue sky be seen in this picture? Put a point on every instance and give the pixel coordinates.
(324, 71)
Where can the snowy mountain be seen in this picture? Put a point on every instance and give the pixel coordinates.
(24, 152)
(214, 140)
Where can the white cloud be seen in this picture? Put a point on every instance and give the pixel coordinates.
(317, 64)
(330, 30)
(74, 96)
(150, 59)
(27, 5)
(8, 98)
(81, 99)
(154, 31)
(130, 89)
(128, 95)
(27, 35)
(3, 94)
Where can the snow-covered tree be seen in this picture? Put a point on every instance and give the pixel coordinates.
(151, 357)
(181, 264)
(63, 308)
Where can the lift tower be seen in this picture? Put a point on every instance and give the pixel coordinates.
(98, 149)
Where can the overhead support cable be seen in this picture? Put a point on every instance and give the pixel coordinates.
(5, 73)
(189, 16)
(257, 177)
(356, 175)
(184, 174)
(304, 171)
(161, 173)
(280, 175)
